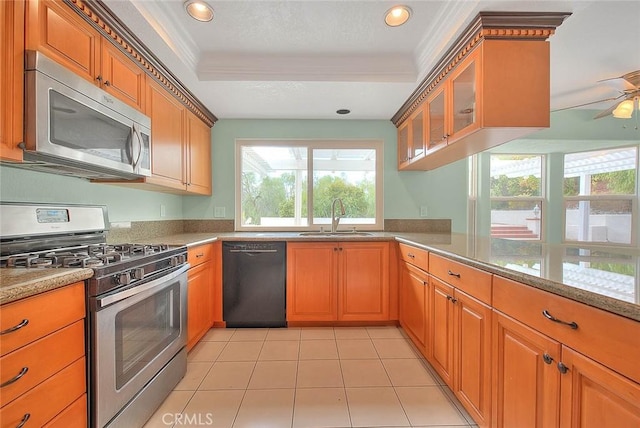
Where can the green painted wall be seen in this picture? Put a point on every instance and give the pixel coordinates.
(442, 191)
(123, 203)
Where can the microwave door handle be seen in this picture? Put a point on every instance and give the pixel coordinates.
(135, 132)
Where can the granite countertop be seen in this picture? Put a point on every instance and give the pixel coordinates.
(19, 283)
(604, 277)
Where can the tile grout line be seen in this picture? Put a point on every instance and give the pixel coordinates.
(244, 394)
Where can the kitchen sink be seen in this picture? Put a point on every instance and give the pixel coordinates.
(340, 233)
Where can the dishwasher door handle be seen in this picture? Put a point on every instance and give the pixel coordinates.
(253, 251)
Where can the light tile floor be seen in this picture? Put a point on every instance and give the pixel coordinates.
(309, 377)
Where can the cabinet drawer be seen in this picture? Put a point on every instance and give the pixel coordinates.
(473, 281)
(74, 416)
(46, 400)
(608, 338)
(40, 315)
(40, 359)
(416, 256)
(199, 254)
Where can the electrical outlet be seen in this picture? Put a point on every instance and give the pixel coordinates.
(219, 212)
(423, 211)
(163, 210)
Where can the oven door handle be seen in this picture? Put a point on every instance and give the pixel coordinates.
(117, 297)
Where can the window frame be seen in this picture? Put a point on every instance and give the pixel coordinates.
(542, 199)
(633, 198)
(311, 144)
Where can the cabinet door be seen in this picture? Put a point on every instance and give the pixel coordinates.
(525, 377)
(363, 290)
(11, 78)
(199, 310)
(312, 281)
(61, 34)
(121, 77)
(464, 95)
(594, 396)
(442, 330)
(167, 138)
(403, 144)
(437, 132)
(414, 287)
(472, 355)
(417, 142)
(199, 156)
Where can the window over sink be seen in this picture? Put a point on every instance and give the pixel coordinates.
(291, 184)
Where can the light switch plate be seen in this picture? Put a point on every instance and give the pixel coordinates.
(163, 210)
(424, 212)
(219, 212)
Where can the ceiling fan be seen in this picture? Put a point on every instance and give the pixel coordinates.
(629, 87)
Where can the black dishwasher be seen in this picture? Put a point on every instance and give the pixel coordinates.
(253, 277)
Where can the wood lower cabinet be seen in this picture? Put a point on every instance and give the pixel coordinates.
(338, 281)
(415, 300)
(594, 396)
(42, 359)
(442, 331)
(526, 380)
(200, 292)
(11, 78)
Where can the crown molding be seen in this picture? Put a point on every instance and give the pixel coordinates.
(99, 16)
(486, 25)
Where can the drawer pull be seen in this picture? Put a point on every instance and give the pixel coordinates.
(410, 255)
(15, 378)
(563, 369)
(550, 317)
(24, 420)
(547, 358)
(457, 275)
(15, 327)
(199, 255)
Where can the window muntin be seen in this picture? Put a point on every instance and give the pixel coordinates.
(600, 196)
(516, 196)
(276, 193)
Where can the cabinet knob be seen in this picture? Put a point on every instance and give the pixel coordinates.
(547, 358)
(107, 83)
(99, 78)
(563, 369)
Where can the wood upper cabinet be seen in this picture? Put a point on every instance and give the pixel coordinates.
(198, 166)
(200, 292)
(122, 78)
(411, 139)
(167, 138)
(11, 78)
(312, 282)
(484, 101)
(61, 34)
(332, 281)
(595, 396)
(526, 380)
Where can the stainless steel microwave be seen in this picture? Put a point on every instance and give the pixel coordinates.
(72, 127)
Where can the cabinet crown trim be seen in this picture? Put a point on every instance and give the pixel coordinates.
(114, 31)
(525, 26)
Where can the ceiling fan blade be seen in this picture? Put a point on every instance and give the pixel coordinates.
(606, 112)
(620, 84)
(633, 78)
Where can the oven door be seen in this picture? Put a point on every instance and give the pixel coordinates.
(134, 334)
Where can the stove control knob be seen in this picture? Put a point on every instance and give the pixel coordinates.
(123, 278)
(137, 273)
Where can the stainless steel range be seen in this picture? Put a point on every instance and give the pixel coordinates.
(136, 303)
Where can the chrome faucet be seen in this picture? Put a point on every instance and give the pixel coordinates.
(335, 220)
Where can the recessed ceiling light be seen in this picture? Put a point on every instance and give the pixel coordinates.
(343, 111)
(199, 10)
(397, 15)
